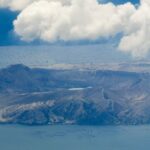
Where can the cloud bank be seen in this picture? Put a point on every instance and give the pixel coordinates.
(136, 39)
(70, 20)
(86, 19)
(18, 5)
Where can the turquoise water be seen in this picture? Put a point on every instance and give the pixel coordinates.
(14, 137)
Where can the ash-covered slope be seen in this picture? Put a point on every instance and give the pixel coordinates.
(75, 96)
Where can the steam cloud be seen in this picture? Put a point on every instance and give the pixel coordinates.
(69, 20)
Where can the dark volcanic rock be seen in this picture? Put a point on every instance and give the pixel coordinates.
(85, 97)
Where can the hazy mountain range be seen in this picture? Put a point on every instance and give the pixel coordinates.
(74, 95)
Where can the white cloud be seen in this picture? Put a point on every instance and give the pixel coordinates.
(82, 19)
(136, 39)
(18, 5)
(15, 4)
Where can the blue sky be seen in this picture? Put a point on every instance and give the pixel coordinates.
(7, 36)
(6, 27)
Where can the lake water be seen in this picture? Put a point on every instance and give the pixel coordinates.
(14, 137)
(45, 55)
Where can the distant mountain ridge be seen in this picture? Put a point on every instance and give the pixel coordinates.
(35, 96)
